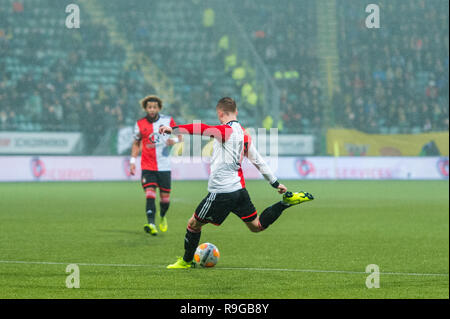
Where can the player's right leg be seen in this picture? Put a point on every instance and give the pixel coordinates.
(164, 183)
(149, 184)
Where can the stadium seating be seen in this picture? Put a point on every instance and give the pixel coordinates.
(391, 80)
(396, 79)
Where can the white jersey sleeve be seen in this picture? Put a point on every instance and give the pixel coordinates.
(257, 160)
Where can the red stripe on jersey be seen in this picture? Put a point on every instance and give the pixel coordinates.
(148, 158)
(241, 175)
(247, 141)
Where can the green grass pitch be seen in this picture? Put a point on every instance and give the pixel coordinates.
(315, 250)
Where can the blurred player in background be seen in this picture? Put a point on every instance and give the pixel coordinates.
(226, 185)
(155, 160)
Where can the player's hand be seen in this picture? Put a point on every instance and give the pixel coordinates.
(165, 130)
(132, 169)
(282, 189)
(170, 142)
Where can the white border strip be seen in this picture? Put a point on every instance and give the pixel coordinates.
(220, 268)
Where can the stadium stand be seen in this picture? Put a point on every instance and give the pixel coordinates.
(397, 79)
(54, 77)
(58, 79)
(284, 36)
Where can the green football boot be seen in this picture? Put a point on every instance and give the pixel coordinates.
(291, 199)
(163, 224)
(151, 229)
(180, 264)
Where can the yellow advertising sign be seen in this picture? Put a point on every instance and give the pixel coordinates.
(342, 142)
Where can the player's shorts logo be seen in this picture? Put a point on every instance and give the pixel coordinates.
(304, 167)
(442, 166)
(37, 167)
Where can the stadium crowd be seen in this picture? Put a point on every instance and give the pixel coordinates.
(391, 80)
(284, 35)
(396, 77)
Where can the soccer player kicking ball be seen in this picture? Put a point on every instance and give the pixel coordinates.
(226, 185)
(155, 161)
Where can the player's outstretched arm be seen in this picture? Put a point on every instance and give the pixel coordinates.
(282, 189)
(257, 160)
(220, 132)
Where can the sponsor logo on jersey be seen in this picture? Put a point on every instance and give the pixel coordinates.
(154, 138)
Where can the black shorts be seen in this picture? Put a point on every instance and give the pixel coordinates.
(156, 179)
(215, 207)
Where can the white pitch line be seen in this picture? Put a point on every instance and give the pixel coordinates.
(220, 268)
(335, 271)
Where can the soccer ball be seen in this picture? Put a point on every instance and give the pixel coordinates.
(206, 255)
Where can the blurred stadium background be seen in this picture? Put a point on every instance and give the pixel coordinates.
(304, 67)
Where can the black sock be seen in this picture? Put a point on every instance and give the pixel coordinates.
(150, 208)
(191, 241)
(271, 214)
(163, 208)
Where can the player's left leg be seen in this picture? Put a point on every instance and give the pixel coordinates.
(149, 183)
(164, 203)
(164, 181)
(150, 208)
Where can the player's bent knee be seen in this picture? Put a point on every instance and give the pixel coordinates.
(194, 225)
(255, 226)
(165, 198)
(150, 193)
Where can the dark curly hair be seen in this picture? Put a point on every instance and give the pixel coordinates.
(151, 98)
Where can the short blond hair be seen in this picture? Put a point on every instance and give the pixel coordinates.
(227, 105)
(151, 98)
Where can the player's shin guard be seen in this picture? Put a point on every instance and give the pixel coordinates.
(191, 241)
(150, 206)
(271, 214)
